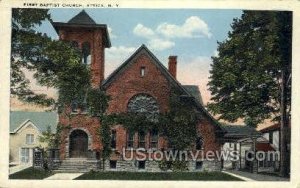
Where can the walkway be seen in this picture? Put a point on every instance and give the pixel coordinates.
(247, 176)
(64, 176)
(18, 168)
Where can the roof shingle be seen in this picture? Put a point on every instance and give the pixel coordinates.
(240, 131)
(40, 119)
(194, 91)
(82, 18)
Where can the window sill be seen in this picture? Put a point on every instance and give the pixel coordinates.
(77, 113)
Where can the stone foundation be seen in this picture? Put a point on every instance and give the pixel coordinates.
(93, 165)
(153, 166)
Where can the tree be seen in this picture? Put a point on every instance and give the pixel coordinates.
(55, 63)
(179, 124)
(251, 76)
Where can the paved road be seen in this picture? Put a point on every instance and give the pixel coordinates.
(247, 176)
(64, 176)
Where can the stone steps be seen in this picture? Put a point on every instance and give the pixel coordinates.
(73, 165)
(76, 165)
(70, 171)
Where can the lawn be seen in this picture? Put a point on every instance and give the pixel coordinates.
(197, 176)
(31, 173)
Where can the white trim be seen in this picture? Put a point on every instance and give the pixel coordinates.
(29, 154)
(24, 125)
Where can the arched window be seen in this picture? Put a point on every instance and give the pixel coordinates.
(75, 44)
(143, 104)
(86, 53)
(74, 106)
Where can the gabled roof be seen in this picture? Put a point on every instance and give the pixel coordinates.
(82, 18)
(274, 127)
(144, 50)
(239, 131)
(141, 50)
(40, 119)
(271, 128)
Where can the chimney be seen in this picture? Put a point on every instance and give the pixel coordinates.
(173, 65)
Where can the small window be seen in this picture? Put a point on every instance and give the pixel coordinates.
(113, 139)
(271, 137)
(199, 165)
(142, 141)
(130, 139)
(74, 107)
(112, 164)
(153, 139)
(199, 143)
(142, 71)
(29, 138)
(141, 165)
(261, 163)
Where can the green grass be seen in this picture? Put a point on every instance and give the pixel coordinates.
(31, 173)
(202, 176)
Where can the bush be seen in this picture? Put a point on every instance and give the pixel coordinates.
(175, 166)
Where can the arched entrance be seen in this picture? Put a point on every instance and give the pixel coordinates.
(78, 144)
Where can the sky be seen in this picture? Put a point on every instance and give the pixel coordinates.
(190, 34)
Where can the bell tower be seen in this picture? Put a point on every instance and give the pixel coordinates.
(91, 38)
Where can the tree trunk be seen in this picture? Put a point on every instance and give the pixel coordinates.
(103, 164)
(284, 153)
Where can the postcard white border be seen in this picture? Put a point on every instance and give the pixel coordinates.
(5, 33)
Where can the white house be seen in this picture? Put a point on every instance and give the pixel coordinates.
(245, 140)
(272, 134)
(25, 129)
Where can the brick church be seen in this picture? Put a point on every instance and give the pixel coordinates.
(141, 83)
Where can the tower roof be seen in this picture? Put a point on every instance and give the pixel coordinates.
(82, 18)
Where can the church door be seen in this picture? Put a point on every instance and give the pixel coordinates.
(78, 144)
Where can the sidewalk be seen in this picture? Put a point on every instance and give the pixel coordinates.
(17, 168)
(247, 176)
(63, 176)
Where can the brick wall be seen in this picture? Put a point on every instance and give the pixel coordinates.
(130, 82)
(95, 39)
(88, 124)
(126, 85)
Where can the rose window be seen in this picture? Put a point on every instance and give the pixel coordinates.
(143, 104)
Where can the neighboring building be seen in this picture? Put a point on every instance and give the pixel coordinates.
(272, 134)
(25, 129)
(141, 83)
(232, 137)
(244, 139)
